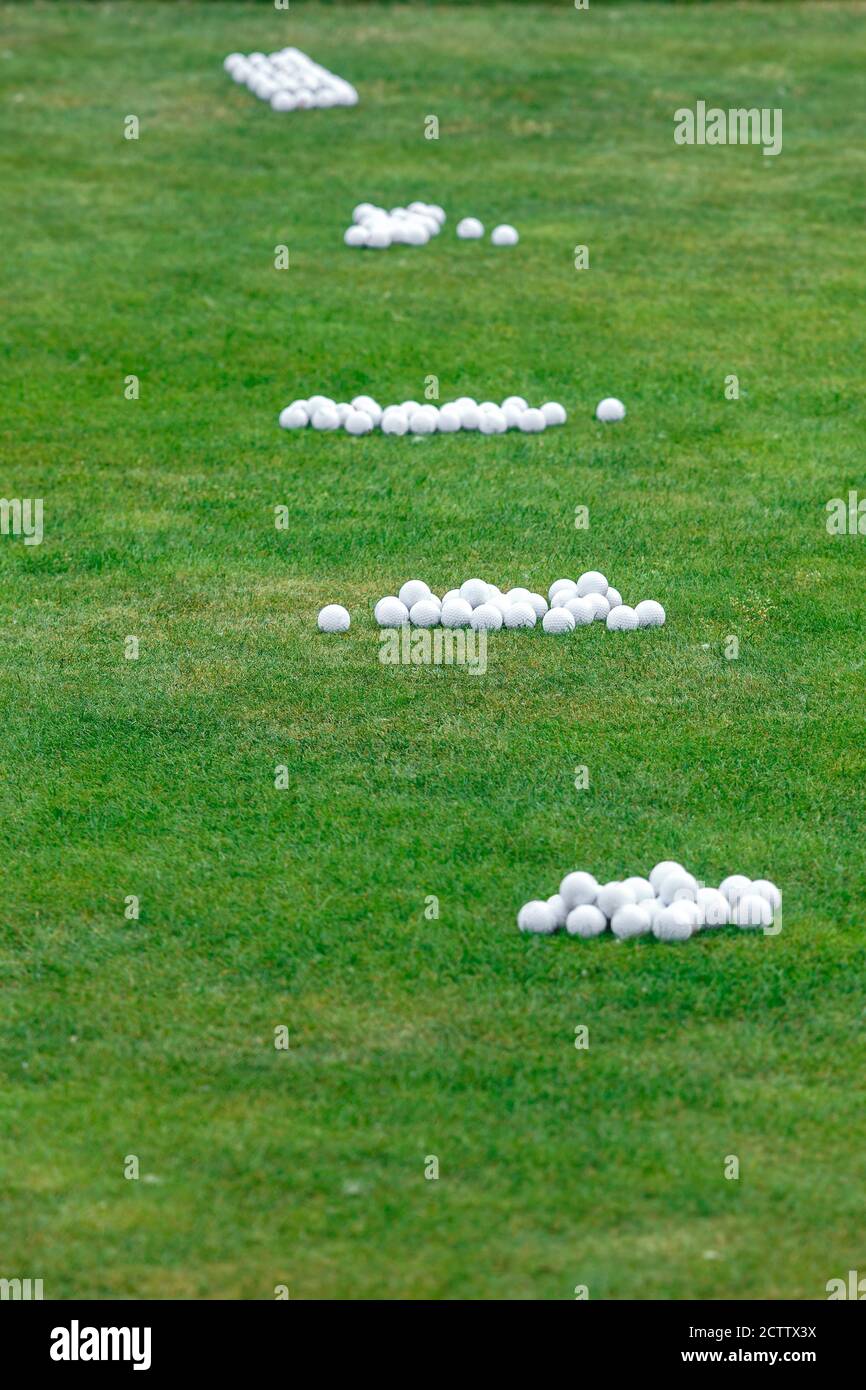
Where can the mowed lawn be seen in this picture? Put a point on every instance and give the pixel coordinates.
(413, 1037)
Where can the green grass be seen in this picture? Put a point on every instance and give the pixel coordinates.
(305, 907)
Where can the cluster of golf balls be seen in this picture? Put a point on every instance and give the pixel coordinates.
(289, 80)
(671, 905)
(470, 229)
(377, 229)
(363, 414)
(478, 605)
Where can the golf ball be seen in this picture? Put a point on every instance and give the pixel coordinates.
(661, 871)
(591, 582)
(390, 612)
(751, 910)
(372, 408)
(456, 612)
(622, 619)
(520, 615)
(531, 421)
(487, 616)
(578, 889)
(649, 613)
(767, 890)
(394, 421)
(536, 916)
(425, 613)
(678, 885)
(630, 920)
(614, 597)
(358, 422)
(474, 591)
(734, 886)
(414, 590)
(581, 610)
(673, 923)
(609, 410)
(553, 413)
(558, 621)
(539, 603)
(294, 417)
(714, 906)
(641, 887)
(469, 228)
(558, 908)
(558, 585)
(504, 235)
(334, 618)
(326, 418)
(585, 921)
(600, 606)
(612, 896)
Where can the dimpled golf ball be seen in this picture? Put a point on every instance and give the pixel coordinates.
(456, 612)
(661, 871)
(678, 885)
(673, 923)
(714, 906)
(424, 613)
(650, 613)
(610, 410)
(558, 585)
(469, 229)
(751, 910)
(768, 890)
(334, 618)
(641, 887)
(413, 590)
(558, 621)
(553, 413)
(591, 582)
(539, 603)
(580, 609)
(578, 889)
(504, 235)
(390, 612)
(622, 619)
(612, 896)
(600, 606)
(486, 616)
(358, 422)
(536, 917)
(734, 886)
(630, 920)
(474, 591)
(519, 615)
(614, 597)
(294, 417)
(585, 921)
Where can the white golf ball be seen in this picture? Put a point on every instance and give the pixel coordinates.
(559, 585)
(424, 613)
(580, 609)
(553, 413)
(622, 619)
(609, 410)
(316, 403)
(390, 612)
(536, 916)
(449, 419)
(768, 890)
(326, 418)
(752, 911)
(372, 408)
(469, 228)
(591, 582)
(456, 612)
(630, 920)
(520, 615)
(519, 595)
(673, 923)
(678, 885)
(490, 423)
(531, 421)
(474, 591)
(585, 921)
(394, 421)
(714, 906)
(283, 101)
(641, 887)
(294, 417)
(599, 605)
(614, 597)
(504, 235)
(421, 422)
(358, 422)
(558, 908)
(437, 212)
(578, 889)
(539, 603)
(661, 871)
(734, 887)
(558, 621)
(334, 618)
(470, 416)
(361, 211)
(486, 615)
(649, 613)
(512, 416)
(516, 401)
(414, 590)
(612, 896)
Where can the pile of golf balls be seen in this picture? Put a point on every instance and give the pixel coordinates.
(377, 229)
(478, 604)
(671, 905)
(363, 414)
(470, 229)
(289, 80)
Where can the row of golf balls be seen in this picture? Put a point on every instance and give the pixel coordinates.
(377, 229)
(480, 605)
(670, 904)
(363, 414)
(289, 80)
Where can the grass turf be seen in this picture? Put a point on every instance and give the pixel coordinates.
(305, 907)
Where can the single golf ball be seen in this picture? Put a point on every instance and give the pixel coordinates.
(630, 920)
(622, 619)
(421, 422)
(614, 597)
(490, 423)
(394, 421)
(578, 889)
(580, 609)
(316, 402)
(649, 613)
(768, 890)
(504, 235)
(413, 590)
(641, 887)
(469, 229)
(425, 613)
(559, 585)
(326, 418)
(449, 419)
(673, 923)
(536, 916)
(294, 417)
(715, 907)
(366, 403)
(558, 621)
(553, 413)
(390, 612)
(334, 618)
(600, 606)
(456, 612)
(470, 416)
(358, 422)
(361, 211)
(502, 603)
(487, 616)
(661, 871)
(609, 410)
(734, 886)
(678, 885)
(531, 421)
(516, 401)
(558, 908)
(585, 921)
(751, 910)
(283, 101)
(520, 615)
(591, 582)
(612, 896)
(474, 591)
(539, 603)
(519, 595)
(512, 416)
